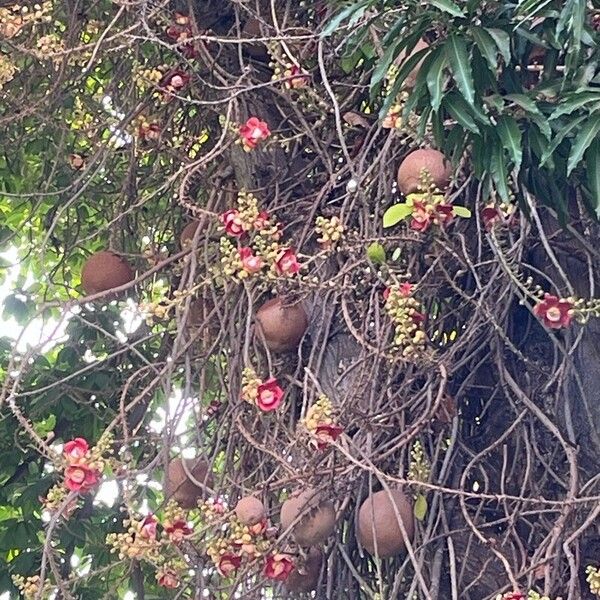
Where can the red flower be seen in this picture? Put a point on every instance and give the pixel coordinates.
(405, 289)
(250, 262)
(75, 449)
(177, 530)
(148, 528)
(232, 222)
(253, 131)
(514, 596)
(444, 214)
(149, 131)
(180, 33)
(278, 566)
(80, 478)
(168, 578)
(489, 215)
(295, 77)
(421, 218)
(287, 263)
(327, 434)
(269, 395)
(554, 312)
(262, 220)
(418, 317)
(228, 564)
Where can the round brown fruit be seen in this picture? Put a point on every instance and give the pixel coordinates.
(250, 510)
(317, 521)
(180, 487)
(187, 235)
(378, 524)
(282, 326)
(256, 50)
(305, 578)
(433, 161)
(105, 271)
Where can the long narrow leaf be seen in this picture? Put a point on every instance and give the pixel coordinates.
(342, 16)
(447, 6)
(458, 57)
(460, 111)
(435, 78)
(510, 134)
(502, 40)
(486, 46)
(592, 161)
(562, 134)
(585, 137)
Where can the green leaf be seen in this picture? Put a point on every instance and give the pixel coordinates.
(499, 172)
(347, 13)
(486, 46)
(584, 138)
(395, 214)
(420, 507)
(510, 134)
(461, 66)
(535, 114)
(383, 64)
(560, 137)
(574, 102)
(592, 161)
(447, 6)
(461, 211)
(459, 110)
(502, 40)
(435, 78)
(376, 253)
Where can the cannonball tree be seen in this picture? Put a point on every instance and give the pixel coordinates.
(300, 299)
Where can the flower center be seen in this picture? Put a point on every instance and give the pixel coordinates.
(553, 314)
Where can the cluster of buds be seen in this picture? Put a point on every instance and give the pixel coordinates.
(266, 395)
(81, 119)
(180, 32)
(83, 466)
(55, 497)
(503, 214)
(593, 579)
(406, 313)
(419, 468)
(31, 587)
(7, 70)
(148, 78)
(393, 119)
(429, 207)
(531, 595)
(259, 251)
(292, 75)
(252, 132)
(330, 231)
(49, 45)
(163, 308)
(175, 525)
(139, 541)
(320, 424)
(14, 18)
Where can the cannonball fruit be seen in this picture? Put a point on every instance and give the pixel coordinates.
(187, 235)
(180, 487)
(281, 326)
(250, 510)
(104, 271)
(378, 524)
(409, 173)
(305, 577)
(317, 521)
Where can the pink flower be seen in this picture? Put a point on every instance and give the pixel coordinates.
(81, 478)
(327, 434)
(490, 215)
(258, 528)
(178, 530)
(514, 596)
(554, 312)
(250, 262)
(269, 395)
(75, 450)
(168, 578)
(254, 131)
(232, 222)
(228, 564)
(386, 293)
(287, 263)
(405, 289)
(278, 566)
(262, 220)
(148, 528)
(421, 219)
(176, 80)
(180, 33)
